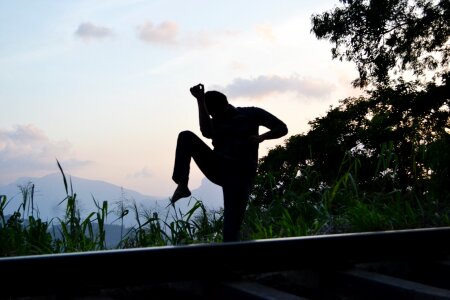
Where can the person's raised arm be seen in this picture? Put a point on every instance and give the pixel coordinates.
(198, 92)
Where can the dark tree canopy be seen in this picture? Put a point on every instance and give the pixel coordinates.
(395, 129)
(395, 139)
(383, 37)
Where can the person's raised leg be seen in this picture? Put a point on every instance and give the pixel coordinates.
(190, 146)
(182, 191)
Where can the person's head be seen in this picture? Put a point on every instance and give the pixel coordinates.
(216, 103)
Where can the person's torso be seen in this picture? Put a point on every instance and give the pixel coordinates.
(233, 133)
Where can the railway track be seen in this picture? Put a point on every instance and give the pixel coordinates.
(404, 264)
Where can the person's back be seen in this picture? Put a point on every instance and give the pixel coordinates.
(235, 131)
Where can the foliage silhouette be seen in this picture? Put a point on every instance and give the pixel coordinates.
(388, 36)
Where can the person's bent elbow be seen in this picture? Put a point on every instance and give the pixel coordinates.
(283, 130)
(280, 131)
(206, 133)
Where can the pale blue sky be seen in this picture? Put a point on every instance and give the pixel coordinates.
(103, 86)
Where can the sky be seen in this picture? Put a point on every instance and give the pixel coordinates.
(103, 86)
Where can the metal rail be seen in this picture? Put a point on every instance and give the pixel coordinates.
(75, 272)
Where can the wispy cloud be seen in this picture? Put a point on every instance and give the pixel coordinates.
(263, 86)
(169, 33)
(26, 150)
(88, 31)
(266, 31)
(143, 173)
(165, 33)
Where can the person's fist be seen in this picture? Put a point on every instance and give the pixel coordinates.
(197, 90)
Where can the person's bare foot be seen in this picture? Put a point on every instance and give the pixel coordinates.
(181, 191)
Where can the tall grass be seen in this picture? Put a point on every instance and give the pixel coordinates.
(197, 225)
(74, 232)
(307, 207)
(77, 234)
(23, 232)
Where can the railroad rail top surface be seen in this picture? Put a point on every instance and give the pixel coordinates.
(115, 268)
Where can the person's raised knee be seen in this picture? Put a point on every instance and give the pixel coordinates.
(186, 135)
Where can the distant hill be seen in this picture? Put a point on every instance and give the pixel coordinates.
(113, 233)
(49, 193)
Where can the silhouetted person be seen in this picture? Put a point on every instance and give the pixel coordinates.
(233, 161)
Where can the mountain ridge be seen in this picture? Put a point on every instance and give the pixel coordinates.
(49, 192)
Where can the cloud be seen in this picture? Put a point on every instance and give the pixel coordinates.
(263, 86)
(27, 151)
(168, 33)
(164, 33)
(88, 31)
(143, 173)
(266, 31)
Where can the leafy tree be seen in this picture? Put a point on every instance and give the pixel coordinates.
(394, 139)
(410, 123)
(383, 36)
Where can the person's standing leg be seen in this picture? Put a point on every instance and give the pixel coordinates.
(235, 197)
